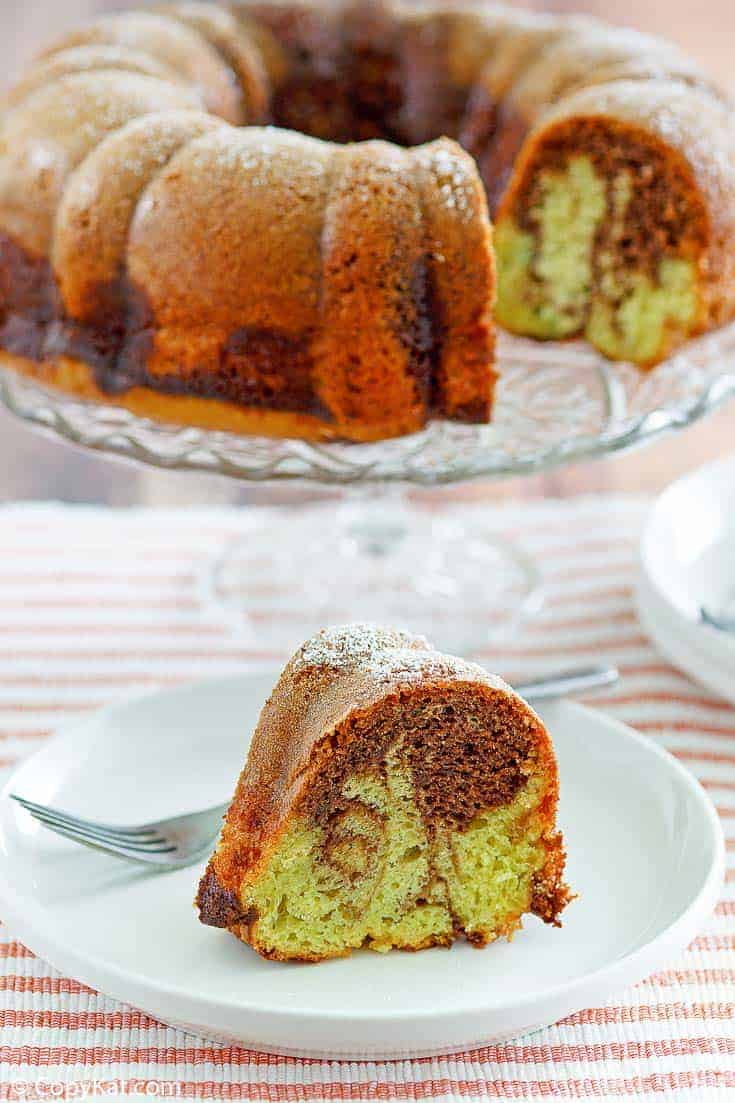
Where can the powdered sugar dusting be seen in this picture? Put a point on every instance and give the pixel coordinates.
(453, 175)
(146, 145)
(380, 653)
(263, 156)
(346, 646)
(80, 109)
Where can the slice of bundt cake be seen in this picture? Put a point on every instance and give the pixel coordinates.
(393, 797)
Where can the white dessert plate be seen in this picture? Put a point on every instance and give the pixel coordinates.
(687, 560)
(646, 856)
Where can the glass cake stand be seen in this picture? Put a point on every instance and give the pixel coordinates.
(373, 552)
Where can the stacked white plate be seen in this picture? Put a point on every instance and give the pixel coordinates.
(687, 561)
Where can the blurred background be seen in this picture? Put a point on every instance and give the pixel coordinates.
(32, 466)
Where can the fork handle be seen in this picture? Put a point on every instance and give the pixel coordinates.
(571, 681)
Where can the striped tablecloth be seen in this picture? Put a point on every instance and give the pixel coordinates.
(96, 603)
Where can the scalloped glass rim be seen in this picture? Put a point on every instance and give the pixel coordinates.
(556, 403)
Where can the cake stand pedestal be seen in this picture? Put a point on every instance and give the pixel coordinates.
(375, 553)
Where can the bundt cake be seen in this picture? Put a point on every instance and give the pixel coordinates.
(170, 243)
(392, 797)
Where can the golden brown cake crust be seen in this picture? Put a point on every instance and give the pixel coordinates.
(175, 42)
(77, 378)
(340, 695)
(138, 315)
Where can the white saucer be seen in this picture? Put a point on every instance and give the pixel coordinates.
(645, 849)
(687, 560)
(683, 643)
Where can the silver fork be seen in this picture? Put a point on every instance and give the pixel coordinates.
(169, 843)
(181, 840)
